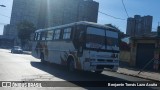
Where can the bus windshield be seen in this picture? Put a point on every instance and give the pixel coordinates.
(101, 39)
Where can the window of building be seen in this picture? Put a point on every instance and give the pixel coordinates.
(67, 33)
(57, 34)
(49, 35)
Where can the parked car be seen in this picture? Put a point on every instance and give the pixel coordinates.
(17, 49)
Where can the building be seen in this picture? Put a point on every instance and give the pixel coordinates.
(22, 10)
(138, 25)
(6, 30)
(49, 13)
(59, 12)
(143, 51)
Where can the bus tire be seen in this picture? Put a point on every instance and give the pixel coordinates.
(71, 67)
(98, 72)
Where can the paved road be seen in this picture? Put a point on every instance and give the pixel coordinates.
(23, 67)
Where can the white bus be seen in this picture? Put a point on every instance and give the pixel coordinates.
(81, 45)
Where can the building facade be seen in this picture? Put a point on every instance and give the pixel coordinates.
(22, 10)
(143, 51)
(6, 30)
(49, 13)
(59, 12)
(138, 25)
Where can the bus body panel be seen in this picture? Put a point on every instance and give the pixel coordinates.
(58, 52)
(93, 57)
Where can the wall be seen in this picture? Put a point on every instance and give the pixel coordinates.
(134, 43)
(125, 56)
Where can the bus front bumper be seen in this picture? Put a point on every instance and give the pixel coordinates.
(101, 63)
(95, 66)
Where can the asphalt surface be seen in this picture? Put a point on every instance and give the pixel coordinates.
(23, 67)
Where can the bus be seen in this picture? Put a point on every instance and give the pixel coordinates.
(81, 45)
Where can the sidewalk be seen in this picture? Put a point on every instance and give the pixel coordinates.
(155, 76)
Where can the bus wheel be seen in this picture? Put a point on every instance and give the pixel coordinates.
(71, 65)
(98, 72)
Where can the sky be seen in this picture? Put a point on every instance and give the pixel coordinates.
(5, 13)
(111, 7)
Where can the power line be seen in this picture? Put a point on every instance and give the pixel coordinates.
(125, 8)
(111, 16)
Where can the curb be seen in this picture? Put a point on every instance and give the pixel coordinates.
(138, 76)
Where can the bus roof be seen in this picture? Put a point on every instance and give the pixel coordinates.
(78, 23)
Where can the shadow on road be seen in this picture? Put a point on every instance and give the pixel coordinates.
(24, 53)
(62, 73)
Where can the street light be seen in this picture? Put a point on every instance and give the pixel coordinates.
(2, 5)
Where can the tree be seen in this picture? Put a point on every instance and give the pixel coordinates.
(25, 29)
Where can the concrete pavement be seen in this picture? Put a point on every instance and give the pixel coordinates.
(132, 72)
(22, 67)
(125, 69)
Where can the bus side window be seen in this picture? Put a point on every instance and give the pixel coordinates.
(79, 31)
(49, 35)
(57, 34)
(38, 36)
(67, 33)
(43, 36)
